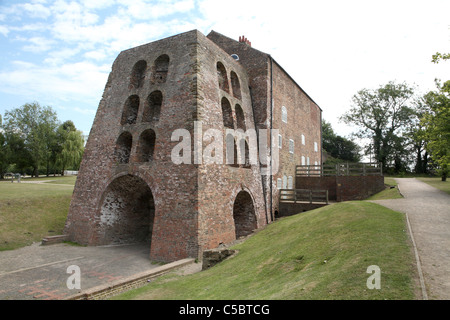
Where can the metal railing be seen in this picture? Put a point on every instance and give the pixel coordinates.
(340, 169)
(303, 195)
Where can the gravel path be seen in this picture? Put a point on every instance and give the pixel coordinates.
(428, 213)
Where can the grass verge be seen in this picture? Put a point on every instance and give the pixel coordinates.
(319, 254)
(391, 191)
(437, 183)
(29, 212)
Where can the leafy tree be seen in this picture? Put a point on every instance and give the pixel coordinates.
(71, 146)
(381, 115)
(337, 147)
(437, 127)
(35, 125)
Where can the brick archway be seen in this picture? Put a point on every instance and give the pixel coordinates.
(127, 211)
(244, 214)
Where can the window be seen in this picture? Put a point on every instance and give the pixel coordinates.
(307, 161)
(138, 74)
(152, 107)
(123, 147)
(291, 146)
(284, 182)
(161, 69)
(146, 146)
(227, 114)
(222, 77)
(235, 85)
(290, 183)
(303, 161)
(284, 114)
(130, 110)
(280, 141)
(303, 139)
(316, 149)
(279, 182)
(240, 118)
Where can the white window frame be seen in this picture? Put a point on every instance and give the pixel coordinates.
(303, 161)
(291, 146)
(316, 149)
(284, 114)
(284, 182)
(303, 139)
(280, 141)
(290, 183)
(279, 182)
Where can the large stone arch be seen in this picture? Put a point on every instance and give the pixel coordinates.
(127, 211)
(244, 214)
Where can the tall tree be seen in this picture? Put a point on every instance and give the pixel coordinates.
(339, 148)
(437, 127)
(35, 125)
(71, 146)
(381, 115)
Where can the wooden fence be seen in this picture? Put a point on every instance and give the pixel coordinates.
(340, 169)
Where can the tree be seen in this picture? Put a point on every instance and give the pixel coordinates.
(35, 125)
(437, 127)
(339, 148)
(71, 146)
(381, 115)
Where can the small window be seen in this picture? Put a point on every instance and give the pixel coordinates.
(240, 118)
(123, 147)
(152, 107)
(130, 110)
(279, 182)
(222, 77)
(290, 183)
(160, 69)
(316, 149)
(235, 56)
(280, 141)
(303, 139)
(227, 114)
(146, 146)
(307, 161)
(284, 114)
(235, 85)
(291, 146)
(138, 74)
(284, 182)
(303, 161)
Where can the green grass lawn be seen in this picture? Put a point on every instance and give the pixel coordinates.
(319, 254)
(29, 212)
(437, 183)
(388, 193)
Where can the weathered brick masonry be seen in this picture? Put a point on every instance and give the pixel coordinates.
(129, 189)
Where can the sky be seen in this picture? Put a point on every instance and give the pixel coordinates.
(59, 53)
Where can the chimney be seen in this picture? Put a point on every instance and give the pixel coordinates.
(243, 39)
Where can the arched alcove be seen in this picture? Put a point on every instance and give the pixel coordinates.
(152, 108)
(123, 148)
(146, 146)
(127, 211)
(244, 214)
(138, 74)
(130, 110)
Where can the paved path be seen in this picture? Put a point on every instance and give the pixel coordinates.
(40, 272)
(428, 212)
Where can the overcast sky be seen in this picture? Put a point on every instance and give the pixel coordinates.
(59, 53)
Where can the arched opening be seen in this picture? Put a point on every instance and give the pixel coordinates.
(235, 85)
(240, 118)
(161, 69)
(227, 114)
(127, 211)
(244, 214)
(123, 148)
(153, 107)
(138, 74)
(130, 110)
(222, 77)
(146, 146)
(231, 153)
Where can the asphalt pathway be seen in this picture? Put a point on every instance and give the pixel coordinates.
(428, 214)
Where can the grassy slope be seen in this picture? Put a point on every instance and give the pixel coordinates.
(28, 212)
(319, 254)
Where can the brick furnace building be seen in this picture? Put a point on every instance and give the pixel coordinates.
(130, 189)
